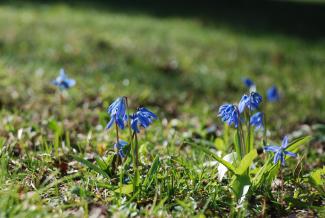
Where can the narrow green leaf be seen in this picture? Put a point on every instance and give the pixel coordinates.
(293, 146)
(90, 165)
(152, 172)
(230, 167)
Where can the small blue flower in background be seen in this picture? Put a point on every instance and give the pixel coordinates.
(117, 112)
(280, 152)
(143, 117)
(250, 101)
(249, 84)
(272, 94)
(257, 120)
(62, 81)
(229, 113)
(119, 146)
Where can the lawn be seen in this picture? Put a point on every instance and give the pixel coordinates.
(56, 157)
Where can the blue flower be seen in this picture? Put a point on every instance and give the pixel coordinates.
(257, 120)
(143, 117)
(280, 152)
(248, 82)
(250, 101)
(229, 113)
(119, 146)
(62, 81)
(272, 94)
(117, 112)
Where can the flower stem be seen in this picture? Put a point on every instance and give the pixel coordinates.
(118, 158)
(133, 151)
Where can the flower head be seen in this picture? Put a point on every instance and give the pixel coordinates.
(251, 101)
(257, 120)
(249, 84)
(117, 112)
(229, 113)
(272, 94)
(62, 81)
(280, 151)
(119, 146)
(143, 117)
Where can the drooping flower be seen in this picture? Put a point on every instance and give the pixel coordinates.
(229, 113)
(117, 112)
(272, 94)
(257, 120)
(280, 151)
(143, 117)
(249, 84)
(62, 81)
(119, 146)
(251, 101)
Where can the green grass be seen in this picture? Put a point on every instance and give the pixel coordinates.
(180, 68)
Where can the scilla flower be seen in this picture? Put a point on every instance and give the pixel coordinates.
(280, 152)
(229, 113)
(251, 101)
(249, 84)
(143, 117)
(272, 94)
(62, 81)
(117, 112)
(119, 146)
(257, 120)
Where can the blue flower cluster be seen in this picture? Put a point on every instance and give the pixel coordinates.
(143, 117)
(117, 112)
(230, 113)
(118, 115)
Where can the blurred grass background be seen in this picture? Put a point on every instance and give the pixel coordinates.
(180, 57)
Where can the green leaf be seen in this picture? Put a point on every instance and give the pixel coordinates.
(90, 165)
(219, 144)
(230, 167)
(246, 162)
(293, 146)
(125, 189)
(316, 178)
(238, 184)
(152, 172)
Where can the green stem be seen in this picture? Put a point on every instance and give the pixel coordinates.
(249, 132)
(133, 151)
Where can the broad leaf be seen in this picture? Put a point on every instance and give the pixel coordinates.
(246, 162)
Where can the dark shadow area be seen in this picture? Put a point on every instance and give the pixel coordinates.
(300, 19)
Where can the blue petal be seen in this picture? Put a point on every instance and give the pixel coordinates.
(284, 142)
(277, 157)
(282, 159)
(110, 123)
(272, 148)
(290, 154)
(120, 123)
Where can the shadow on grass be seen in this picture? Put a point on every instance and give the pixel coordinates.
(301, 19)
